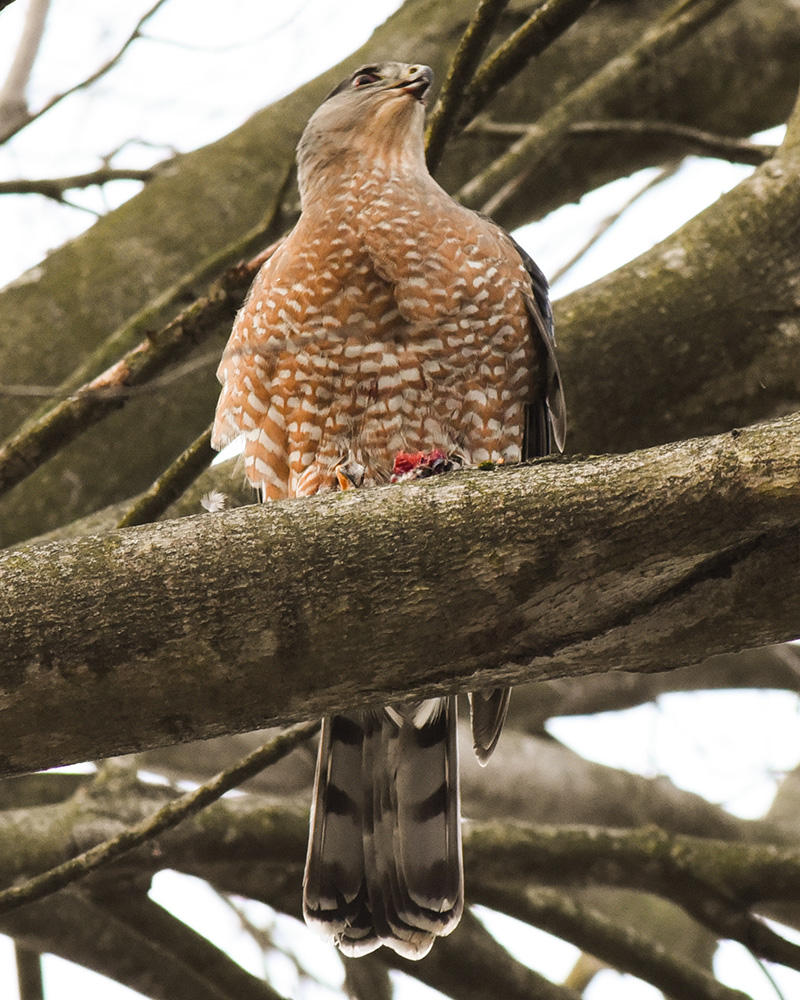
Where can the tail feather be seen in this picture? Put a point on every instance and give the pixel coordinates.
(384, 857)
(334, 886)
(488, 710)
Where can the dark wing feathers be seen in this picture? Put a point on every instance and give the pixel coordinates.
(551, 410)
(545, 423)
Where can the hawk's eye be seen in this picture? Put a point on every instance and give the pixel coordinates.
(363, 79)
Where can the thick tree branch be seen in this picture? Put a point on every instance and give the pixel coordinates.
(13, 100)
(290, 610)
(167, 817)
(623, 947)
(713, 881)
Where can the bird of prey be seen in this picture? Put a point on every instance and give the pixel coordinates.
(392, 334)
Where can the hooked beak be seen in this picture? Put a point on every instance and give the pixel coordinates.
(419, 84)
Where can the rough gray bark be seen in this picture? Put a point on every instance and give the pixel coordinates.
(273, 613)
(206, 199)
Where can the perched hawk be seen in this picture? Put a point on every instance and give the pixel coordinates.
(391, 333)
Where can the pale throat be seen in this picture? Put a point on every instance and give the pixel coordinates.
(392, 148)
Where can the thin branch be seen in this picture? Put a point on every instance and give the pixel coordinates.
(547, 23)
(26, 451)
(141, 325)
(175, 374)
(172, 484)
(43, 436)
(164, 819)
(107, 66)
(29, 972)
(13, 102)
(491, 189)
(56, 187)
(583, 972)
(623, 948)
(770, 978)
(605, 224)
(462, 68)
(688, 139)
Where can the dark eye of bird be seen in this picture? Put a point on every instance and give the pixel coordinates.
(365, 78)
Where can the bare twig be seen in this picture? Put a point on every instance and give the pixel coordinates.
(152, 316)
(769, 977)
(547, 23)
(12, 129)
(175, 480)
(687, 138)
(605, 224)
(164, 819)
(13, 103)
(491, 189)
(175, 374)
(465, 62)
(56, 187)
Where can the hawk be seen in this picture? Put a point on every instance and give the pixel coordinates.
(391, 333)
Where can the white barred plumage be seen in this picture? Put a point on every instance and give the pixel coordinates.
(390, 321)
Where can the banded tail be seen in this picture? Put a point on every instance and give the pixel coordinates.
(384, 851)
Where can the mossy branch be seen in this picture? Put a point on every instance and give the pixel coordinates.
(39, 439)
(713, 881)
(549, 21)
(165, 818)
(286, 611)
(622, 947)
(491, 189)
(172, 484)
(462, 67)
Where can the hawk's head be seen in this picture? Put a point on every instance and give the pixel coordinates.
(378, 112)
